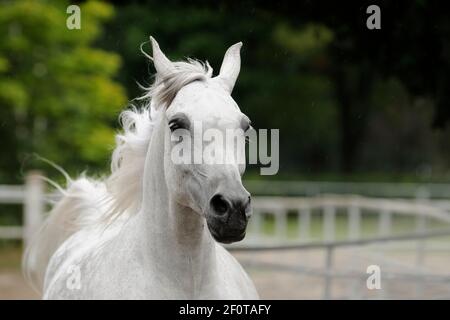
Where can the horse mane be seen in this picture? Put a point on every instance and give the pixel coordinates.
(125, 183)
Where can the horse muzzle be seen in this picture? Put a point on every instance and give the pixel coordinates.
(227, 217)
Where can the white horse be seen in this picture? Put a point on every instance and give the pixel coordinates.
(149, 230)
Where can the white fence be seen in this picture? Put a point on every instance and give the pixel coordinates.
(296, 227)
(31, 196)
(422, 210)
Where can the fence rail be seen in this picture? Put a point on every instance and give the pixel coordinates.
(340, 243)
(31, 196)
(12, 194)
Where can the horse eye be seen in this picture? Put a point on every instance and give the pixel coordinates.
(174, 125)
(178, 123)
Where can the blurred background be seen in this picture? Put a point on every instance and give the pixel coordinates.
(363, 115)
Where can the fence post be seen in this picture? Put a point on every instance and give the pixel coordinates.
(281, 221)
(422, 196)
(328, 272)
(304, 223)
(354, 221)
(385, 221)
(329, 222)
(255, 223)
(33, 205)
(354, 233)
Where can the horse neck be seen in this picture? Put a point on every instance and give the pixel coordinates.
(177, 237)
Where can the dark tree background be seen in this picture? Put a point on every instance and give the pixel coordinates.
(314, 70)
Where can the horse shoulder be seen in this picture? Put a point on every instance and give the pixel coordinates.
(235, 277)
(89, 264)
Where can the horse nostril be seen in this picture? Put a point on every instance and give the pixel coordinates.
(247, 205)
(219, 204)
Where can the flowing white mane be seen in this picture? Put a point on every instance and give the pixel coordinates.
(124, 185)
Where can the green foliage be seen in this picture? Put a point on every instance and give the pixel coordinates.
(306, 41)
(58, 97)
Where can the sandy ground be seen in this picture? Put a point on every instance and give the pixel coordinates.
(13, 286)
(300, 275)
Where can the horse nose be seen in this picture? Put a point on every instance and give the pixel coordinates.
(224, 206)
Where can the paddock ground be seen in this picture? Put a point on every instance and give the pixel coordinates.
(302, 275)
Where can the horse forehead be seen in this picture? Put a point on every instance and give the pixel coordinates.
(203, 101)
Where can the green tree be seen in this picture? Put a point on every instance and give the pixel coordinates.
(57, 94)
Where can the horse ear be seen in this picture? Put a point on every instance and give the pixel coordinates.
(162, 65)
(231, 66)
